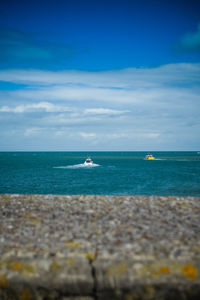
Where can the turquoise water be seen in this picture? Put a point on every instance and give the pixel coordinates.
(116, 173)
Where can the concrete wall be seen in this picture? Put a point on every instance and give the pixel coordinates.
(99, 247)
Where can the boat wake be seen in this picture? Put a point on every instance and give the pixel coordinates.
(85, 166)
(159, 159)
(154, 159)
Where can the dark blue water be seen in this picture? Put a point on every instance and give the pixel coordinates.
(118, 173)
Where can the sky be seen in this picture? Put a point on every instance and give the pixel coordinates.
(100, 75)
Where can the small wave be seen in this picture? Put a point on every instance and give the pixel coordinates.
(78, 166)
(159, 159)
(154, 159)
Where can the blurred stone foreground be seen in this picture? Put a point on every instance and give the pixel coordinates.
(99, 247)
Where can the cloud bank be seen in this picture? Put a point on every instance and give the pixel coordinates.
(130, 109)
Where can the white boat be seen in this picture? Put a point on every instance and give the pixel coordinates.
(88, 162)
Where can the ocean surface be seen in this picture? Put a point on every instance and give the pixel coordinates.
(114, 173)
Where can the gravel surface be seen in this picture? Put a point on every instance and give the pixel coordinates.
(99, 247)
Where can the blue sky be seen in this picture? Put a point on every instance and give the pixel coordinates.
(99, 75)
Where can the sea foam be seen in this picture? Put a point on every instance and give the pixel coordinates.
(78, 166)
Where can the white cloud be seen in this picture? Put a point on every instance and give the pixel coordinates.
(142, 106)
(119, 79)
(41, 106)
(32, 131)
(110, 90)
(60, 133)
(103, 111)
(152, 135)
(87, 135)
(131, 135)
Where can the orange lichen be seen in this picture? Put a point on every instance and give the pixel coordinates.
(90, 256)
(25, 295)
(55, 266)
(133, 295)
(129, 227)
(117, 270)
(190, 271)
(3, 281)
(73, 244)
(34, 222)
(29, 268)
(156, 273)
(70, 261)
(164, 270)
(17, 266)
(28, 216)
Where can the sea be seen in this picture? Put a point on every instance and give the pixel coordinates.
(113, 173)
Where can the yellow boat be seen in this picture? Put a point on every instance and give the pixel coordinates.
(149, 156)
